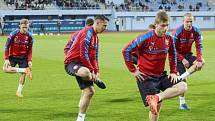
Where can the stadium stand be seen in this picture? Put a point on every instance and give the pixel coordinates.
(130, 5)
(53, 16)
(50, 4)
(168, 5)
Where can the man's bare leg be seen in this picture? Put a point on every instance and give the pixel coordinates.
(9, 69)
(173, 91)
(153, 117)
(21, 85)
(85, 101)
(189, 71)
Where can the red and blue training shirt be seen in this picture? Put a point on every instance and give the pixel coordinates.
(151, 51)
(70, 42)
(84, 49)
(184, 40)
(19, 45)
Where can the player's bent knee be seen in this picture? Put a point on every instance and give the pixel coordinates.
(5, 70)
(182, 87)
(84, 72)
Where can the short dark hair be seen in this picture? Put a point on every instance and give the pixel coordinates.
(188, 14)
(89, 22)
(101, 17)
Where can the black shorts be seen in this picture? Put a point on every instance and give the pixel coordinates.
(73, 68)
(22, 62)
(153, 85)
(180, 66)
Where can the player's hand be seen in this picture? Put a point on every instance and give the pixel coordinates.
(138, 75)
(185, 63)
(97, 76)
(199, 66)
(173, 78)
(6, 63)
(30, 64)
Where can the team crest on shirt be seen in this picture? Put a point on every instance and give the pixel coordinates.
(26, 38)
(15, 39)
(94, 44)
(166, 42)
(191, 35)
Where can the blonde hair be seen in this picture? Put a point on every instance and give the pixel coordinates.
(24, 21)
(151, 26)
(161, 16)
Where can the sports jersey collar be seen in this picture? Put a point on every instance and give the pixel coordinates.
(21, 32)
(189, 30)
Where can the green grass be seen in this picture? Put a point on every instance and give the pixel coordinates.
(53, 95)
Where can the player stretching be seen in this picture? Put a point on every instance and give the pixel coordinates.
(184, 36)
(89, 22)
(81, 61)
(18, 50)
(152, 49)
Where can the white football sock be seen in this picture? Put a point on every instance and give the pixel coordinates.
(20, 88)
(20, 70)
(159, 97)
(182, 100)
(184, 75)
(81, 117)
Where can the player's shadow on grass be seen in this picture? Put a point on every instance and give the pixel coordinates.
(64, 115)
(121, 100)
(22, 110)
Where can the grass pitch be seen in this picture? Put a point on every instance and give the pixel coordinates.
(52, 95)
